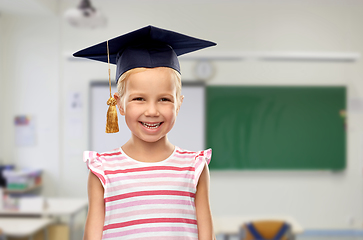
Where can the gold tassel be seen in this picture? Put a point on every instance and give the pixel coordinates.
(112, 120)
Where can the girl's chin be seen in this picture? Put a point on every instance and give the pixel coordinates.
(150, 139)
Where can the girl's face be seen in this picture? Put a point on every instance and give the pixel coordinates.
(149, 105)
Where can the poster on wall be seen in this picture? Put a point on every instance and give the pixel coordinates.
(25, 131)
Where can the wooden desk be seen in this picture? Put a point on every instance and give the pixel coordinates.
(230, 225)
(66, 207)
(55, 207)
(24, 227)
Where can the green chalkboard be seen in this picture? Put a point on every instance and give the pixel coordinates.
(278, 128)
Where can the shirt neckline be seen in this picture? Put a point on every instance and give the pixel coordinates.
(148, 163)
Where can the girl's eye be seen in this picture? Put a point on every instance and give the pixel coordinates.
(165, 100)
(138, 99)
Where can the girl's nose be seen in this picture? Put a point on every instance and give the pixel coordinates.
(152, 110)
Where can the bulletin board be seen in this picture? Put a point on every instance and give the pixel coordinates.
(276, 128)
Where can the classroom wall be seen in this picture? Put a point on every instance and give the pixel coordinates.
(31, 87)
(1, 92)
(317, 199)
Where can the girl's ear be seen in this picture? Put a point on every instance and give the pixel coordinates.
(179, 105)
(119, 103)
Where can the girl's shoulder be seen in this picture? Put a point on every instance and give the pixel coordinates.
(101, 157)
(194, 155)
(197, 160)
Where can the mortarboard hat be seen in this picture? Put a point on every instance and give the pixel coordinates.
(146, 47)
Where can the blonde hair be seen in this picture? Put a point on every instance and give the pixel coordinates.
(121, 84)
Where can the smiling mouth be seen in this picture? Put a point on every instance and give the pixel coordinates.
(151, 125)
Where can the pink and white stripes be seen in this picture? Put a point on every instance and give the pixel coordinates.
(149, 200)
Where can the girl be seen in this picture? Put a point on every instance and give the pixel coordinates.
(148, 188)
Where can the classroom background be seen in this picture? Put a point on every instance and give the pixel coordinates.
(277, 43)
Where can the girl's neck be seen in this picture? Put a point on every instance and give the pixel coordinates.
(148, 151)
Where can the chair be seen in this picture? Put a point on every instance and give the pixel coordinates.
(266, 230)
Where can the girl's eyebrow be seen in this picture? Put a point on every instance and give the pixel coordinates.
(133, 95)
(163, 94)
(159, 94)
(136, 94)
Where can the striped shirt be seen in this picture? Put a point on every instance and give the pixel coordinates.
(149, 200)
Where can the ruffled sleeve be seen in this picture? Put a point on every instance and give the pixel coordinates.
(94, 163)
(201, 158)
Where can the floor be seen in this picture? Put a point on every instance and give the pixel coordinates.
(310, 237)
(314, 238)
(329, 238)
(331, 235)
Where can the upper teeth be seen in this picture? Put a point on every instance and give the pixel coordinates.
(151, 125)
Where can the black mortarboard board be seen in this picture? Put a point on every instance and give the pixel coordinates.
(146, 47)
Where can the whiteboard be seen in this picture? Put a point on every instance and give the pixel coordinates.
(188, 132)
